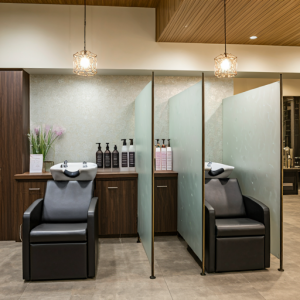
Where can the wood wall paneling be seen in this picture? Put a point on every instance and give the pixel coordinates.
(273, 22)
(125, 3)
(165, 10)
(14, 145)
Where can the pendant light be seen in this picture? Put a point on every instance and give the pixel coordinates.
(225, 64)
(85, 62)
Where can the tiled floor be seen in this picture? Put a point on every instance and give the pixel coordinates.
(124, 271)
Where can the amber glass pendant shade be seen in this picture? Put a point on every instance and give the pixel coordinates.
(85, 63)
(225, 65)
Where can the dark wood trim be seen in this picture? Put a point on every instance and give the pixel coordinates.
(117, 236)
(281, 178)
(152, 181)
(203, 177)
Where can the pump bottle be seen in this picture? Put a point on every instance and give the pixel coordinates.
(107, 157)
(163, 156)
(157, 156)
(99, 157)
(115, 158)
(131, 156)
(169, 157)
(124, 157)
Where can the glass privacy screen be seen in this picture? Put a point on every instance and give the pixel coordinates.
(251, 143)
(143, 141)
(185, 132)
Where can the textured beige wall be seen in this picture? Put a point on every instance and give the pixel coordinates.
(290, 87)
(101, 109)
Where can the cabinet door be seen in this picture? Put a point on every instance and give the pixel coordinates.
(128, 206)
(27, 193)
(109, 211)
(165, 205)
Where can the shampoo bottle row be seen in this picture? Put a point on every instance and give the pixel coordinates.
(108, 160)
(163, 156)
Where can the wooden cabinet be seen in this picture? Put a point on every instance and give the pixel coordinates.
(290, 181)
(109, 207)
(14, 148)
(128, 206)
(165, 202)
(117, 193)
(27, 192)
(117, 206)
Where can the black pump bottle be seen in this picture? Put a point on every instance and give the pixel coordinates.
(115, 158)
(107, 157)
(99, 156)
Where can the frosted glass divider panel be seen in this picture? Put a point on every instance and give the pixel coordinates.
(185, 131)
(251, 143)
(143, 164)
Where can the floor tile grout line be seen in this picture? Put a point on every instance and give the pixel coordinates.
(168, 287)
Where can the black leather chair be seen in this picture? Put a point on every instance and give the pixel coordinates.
(237, 228)
(60, 233)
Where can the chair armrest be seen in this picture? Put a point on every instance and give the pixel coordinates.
(31, 218)
(210, 239)
(256, 210)
(260, 212)
(92, 224)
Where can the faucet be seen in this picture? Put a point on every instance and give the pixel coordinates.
(209, 164)
(84, 164)
(65, 164)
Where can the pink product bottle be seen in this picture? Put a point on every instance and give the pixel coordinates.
(158, 159)
(163, 157)
(169, 157)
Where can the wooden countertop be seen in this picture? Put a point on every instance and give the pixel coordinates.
(165, 174)
(100, 175)
(291, 169)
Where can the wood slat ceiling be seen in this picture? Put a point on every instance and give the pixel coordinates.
(274, 22)
(125, 3)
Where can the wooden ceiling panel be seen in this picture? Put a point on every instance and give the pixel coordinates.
(274, 22)
(125, 3)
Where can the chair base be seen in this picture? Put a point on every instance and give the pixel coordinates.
(240, 253)
(58, 261)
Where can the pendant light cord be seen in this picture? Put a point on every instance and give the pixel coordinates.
(84, 25)
(225, 25)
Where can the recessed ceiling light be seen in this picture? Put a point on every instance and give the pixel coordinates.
(253, 37)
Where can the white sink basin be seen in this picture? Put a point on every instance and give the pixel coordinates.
(74, 172)
(214, 170)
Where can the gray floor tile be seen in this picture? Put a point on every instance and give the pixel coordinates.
(124, 270)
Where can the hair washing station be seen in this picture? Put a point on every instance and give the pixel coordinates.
(237, 228)
(60, 233)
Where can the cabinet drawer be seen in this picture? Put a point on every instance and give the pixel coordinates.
(165, 205)
(29, 191)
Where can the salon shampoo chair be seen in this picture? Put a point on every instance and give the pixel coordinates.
(60, 233)
(237, 228)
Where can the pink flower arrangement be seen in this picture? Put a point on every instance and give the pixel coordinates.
(42, 138)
